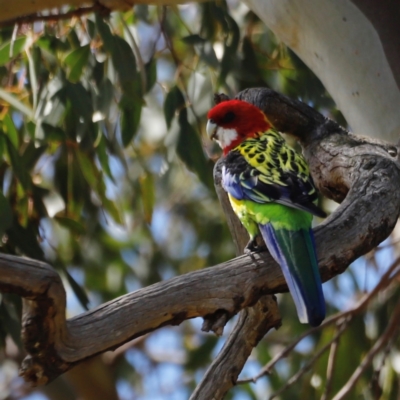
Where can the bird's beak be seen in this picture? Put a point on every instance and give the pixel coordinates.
(211, 129)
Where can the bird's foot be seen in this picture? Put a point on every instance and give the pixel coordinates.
(252, 246)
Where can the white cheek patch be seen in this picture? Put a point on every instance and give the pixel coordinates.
(226, 136)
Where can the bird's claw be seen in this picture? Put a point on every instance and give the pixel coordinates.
(251, 247)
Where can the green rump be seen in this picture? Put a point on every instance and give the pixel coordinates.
(280, 216)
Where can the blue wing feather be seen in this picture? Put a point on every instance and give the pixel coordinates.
(231, 183)
(266, 170)
(295, 253)
(246, 182)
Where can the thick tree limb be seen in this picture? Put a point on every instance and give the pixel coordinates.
(361, 172)
(350, 46)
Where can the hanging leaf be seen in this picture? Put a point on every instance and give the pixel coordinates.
(148, 195)
(105, 33)
(88, 169)
(130, 119)
(190, 151)
(121, 53)
(6, 215)
(173, 102)
(18, 165)
(193, 39)
(105, 96)
(76, 61)
(229, 59)
(124, 62)
(5, 49)
(103, 157)
(16, 103)
(2, 145)
(78, 290)
(10, 130)
(96, 183)
(80, 100)
(111, 208)
(73, 226)
(151, 74)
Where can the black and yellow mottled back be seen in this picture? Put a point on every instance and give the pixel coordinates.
(266, 169)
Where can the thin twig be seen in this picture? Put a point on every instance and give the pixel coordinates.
(138, 56)
(13, 37)
(389, 333)
(363, 302)
(330, 369)
(374, 384)
(307, 366)
(27, 19)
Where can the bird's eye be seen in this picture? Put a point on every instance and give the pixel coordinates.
(228, 117)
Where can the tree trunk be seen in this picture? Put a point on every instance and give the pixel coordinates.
(355, 55)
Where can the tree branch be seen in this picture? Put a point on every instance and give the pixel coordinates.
(77, 12)
(305, 368)
(253, 324)
(22, 11)
(363, 172)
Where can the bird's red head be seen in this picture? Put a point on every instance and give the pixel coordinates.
(233, 121)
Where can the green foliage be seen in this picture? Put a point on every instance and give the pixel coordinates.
(106, 175)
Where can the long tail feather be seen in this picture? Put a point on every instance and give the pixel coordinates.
(294, 250)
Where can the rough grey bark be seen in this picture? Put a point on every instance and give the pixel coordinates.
(360, 172)
(384, 15)
(254, 322)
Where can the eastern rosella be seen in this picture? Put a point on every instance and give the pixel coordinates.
(272, 192)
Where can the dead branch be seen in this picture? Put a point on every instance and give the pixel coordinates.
(22, 11)
(77, 12)
(253, 324)
(363, 173)
(305, 368)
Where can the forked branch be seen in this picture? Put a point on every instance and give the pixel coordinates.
(363, 173)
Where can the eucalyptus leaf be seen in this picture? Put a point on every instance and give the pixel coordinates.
(16, 103)
(173, 102)
(6, 54)
(130, 118)
(10, 130)
(148, 195)
(190, 151)
(6, 215)
(76, 61)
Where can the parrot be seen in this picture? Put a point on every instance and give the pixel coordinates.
(271, 191)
